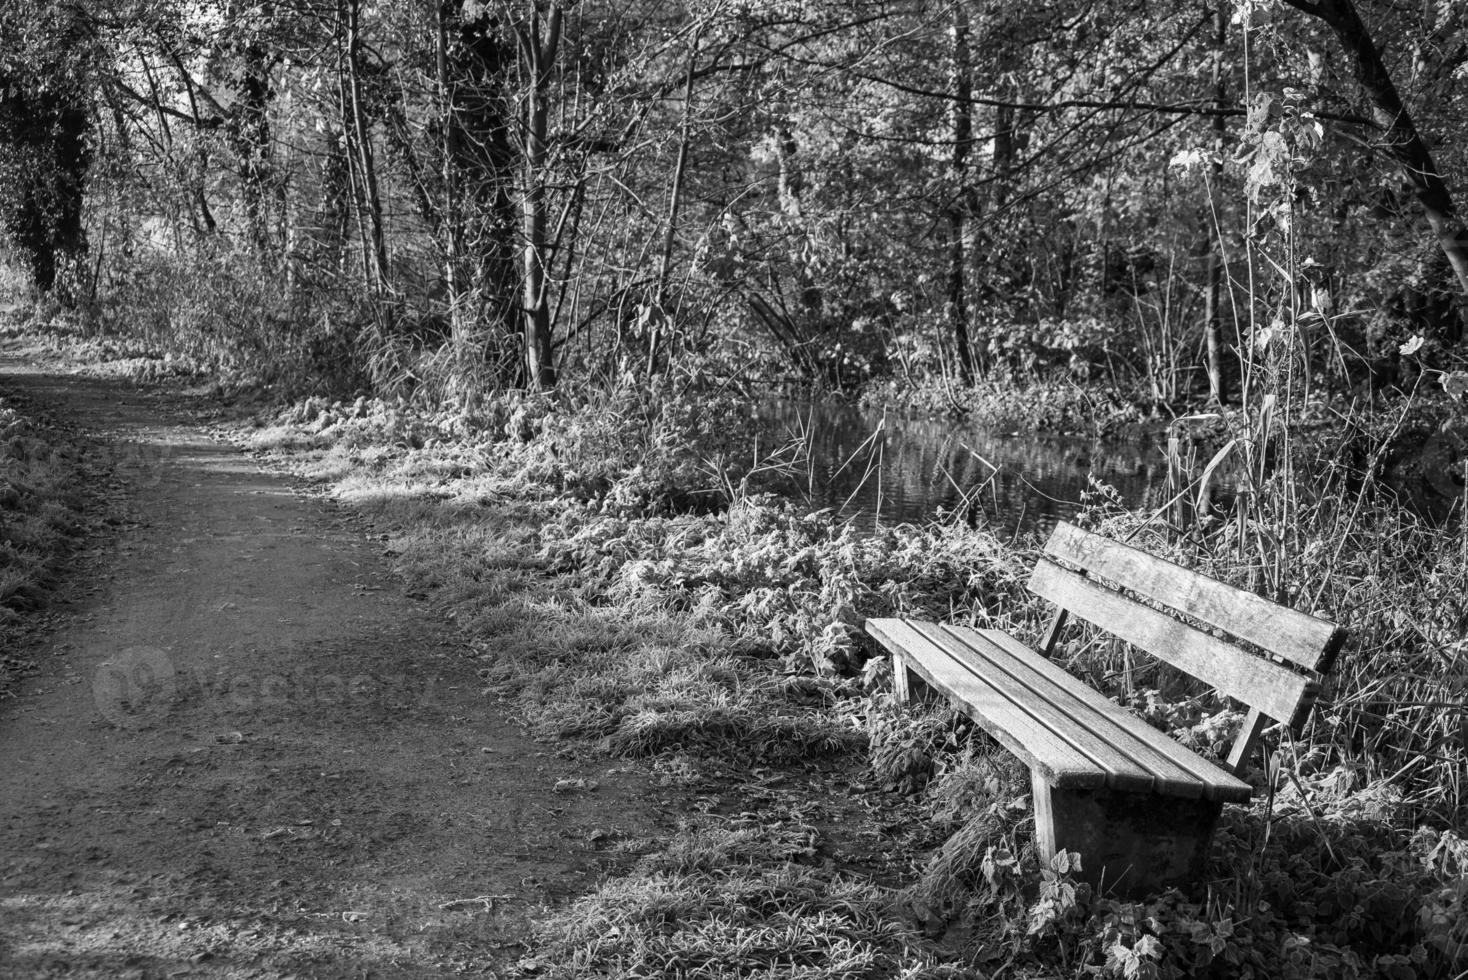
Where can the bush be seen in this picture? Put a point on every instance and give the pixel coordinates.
(41, 510)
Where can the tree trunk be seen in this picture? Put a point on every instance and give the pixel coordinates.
(249, 132)
(326, 247)
(962, 207)
(790, 191)
(1402, 139)
(450, 226)
(1005, 153)
(540, 371)
(659, 313)
(480, 220)
(201, 150)
(1213, 295)
(46, 226)
(363, 168)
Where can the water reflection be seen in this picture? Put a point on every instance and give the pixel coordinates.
(871, 467)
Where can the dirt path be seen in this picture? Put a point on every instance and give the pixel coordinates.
(246, 754)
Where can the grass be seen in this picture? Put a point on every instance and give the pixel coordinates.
(68, 337)
(620, 613)
(756, 920)
(43, 469)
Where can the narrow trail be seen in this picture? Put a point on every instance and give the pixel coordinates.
(246, 754)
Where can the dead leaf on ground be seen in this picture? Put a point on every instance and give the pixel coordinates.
(574, 785)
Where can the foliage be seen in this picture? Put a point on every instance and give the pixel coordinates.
(758, 186)
(700, 640)
(905, 748)
(734, 914)
(45, 136)
(221, 309)
(774, 184)
(42, 472)
(1052, 403)
(794, 586)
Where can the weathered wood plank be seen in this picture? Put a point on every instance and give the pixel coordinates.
(1288, 633)
(1045, 844)
(1130, 844)
(1132, 755)
(1036, 745)
(906, 685)
(1093, 731)
(1247, 742)
(1053, 632)
(1218, 783)
(1256, 681)
(1046, 704)
(901, 686)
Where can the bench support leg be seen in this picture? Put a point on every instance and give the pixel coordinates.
(1131, 844)
(908, 684)
(1247, 744)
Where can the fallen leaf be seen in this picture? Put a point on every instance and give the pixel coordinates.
(572, 785)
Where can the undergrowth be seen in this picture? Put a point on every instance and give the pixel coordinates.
(630, 591)
(1000, 404)
(71, 338)
(42, 471)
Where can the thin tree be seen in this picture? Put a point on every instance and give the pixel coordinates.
(362, 160)
(1400, 135)
(539, 39)
(1213, 288)
(962, 208)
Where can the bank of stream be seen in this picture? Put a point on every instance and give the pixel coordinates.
(871, 467)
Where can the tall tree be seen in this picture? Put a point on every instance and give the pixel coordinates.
(246, 68)
(1401, 136)
(962, 208)
(46, 107)
(475, 61)
(362, 159)
(539, 37)
(1213, 286)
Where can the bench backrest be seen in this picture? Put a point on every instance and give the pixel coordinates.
(1271, 659)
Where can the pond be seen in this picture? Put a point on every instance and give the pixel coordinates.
(874, 467)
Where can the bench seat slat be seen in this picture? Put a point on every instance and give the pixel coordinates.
(1059, 688)
(1050, 719)
(1218, 783)
(1047, 704)
(1058, 762)
(1288, 633)
(1273, 688)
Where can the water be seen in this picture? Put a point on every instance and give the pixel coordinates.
(870, 467)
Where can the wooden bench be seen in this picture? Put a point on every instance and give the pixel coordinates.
(1137, 806)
